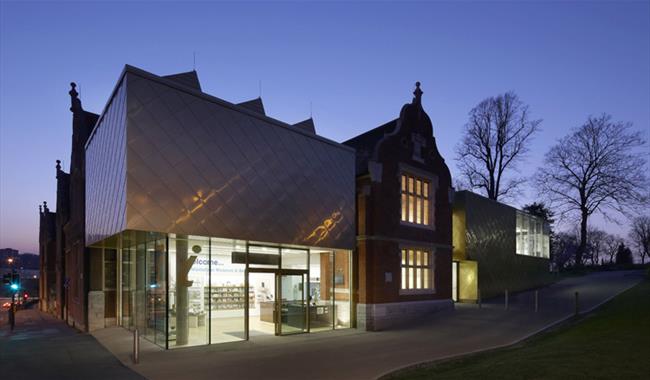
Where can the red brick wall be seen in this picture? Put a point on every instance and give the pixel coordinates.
(379, 229)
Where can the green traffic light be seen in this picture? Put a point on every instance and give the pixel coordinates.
(14, 286)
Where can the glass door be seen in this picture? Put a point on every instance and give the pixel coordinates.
(293, 303)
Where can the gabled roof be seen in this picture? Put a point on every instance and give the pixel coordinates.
(189, 79)
(306, 125)
(370, 138)
(366, 142)
(173, 82)
(254, 105)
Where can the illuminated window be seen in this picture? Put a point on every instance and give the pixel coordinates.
(416, 269)
(415, 198)
(532, 236)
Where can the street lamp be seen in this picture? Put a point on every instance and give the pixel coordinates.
(14, 286)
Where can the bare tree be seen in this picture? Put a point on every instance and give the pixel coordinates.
(596, 245)
(495, 138)
(610, 246)
(596, 168)
(565, 245)
(640, 236)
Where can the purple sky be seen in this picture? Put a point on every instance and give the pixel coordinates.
(356, 63)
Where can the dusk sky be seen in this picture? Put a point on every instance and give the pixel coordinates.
(356, 63)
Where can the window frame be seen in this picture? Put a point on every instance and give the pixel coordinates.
(531, 236)
(405, 255)
(422, 200)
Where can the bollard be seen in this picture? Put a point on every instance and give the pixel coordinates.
(12, 317)
(136, 346)
(12, 312)
(479, 298)
(506, 299)
(536, 301)
(577, 306)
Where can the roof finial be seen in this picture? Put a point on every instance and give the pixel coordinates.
(58, 164)
(418, 93)
(45, 206)
(40, 209)
(75, 103)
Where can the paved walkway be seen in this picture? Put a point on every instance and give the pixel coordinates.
(42, 347)
(353, 354)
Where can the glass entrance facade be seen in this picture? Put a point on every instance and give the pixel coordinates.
(141, 291)
(186, 290)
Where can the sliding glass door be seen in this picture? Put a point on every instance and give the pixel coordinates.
(293, 303)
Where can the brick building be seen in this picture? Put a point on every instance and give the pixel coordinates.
(64, 259)
(403, 220)
(47, 254)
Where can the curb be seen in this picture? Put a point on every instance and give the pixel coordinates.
(390, 374)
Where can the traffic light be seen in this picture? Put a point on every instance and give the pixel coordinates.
(13, 280)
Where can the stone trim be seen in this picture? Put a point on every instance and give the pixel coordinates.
(96, 305)
(381, 316)
(423, 244)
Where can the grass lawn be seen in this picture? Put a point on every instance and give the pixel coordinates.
(612, 343)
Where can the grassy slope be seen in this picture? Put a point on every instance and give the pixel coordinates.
(614, 343)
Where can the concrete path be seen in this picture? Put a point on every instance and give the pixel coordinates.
(42, 347)
(352, 354)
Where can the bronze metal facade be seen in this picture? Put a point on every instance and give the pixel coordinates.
(106, 172)
(176, 160)
(484, 231)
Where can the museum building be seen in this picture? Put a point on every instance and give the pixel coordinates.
(200, 221)
(208, 221)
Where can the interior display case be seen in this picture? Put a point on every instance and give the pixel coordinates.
(229, 297)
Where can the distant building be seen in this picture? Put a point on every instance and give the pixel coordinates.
(48, 301)
(24, 260)
(5, 254)
(26, 265)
